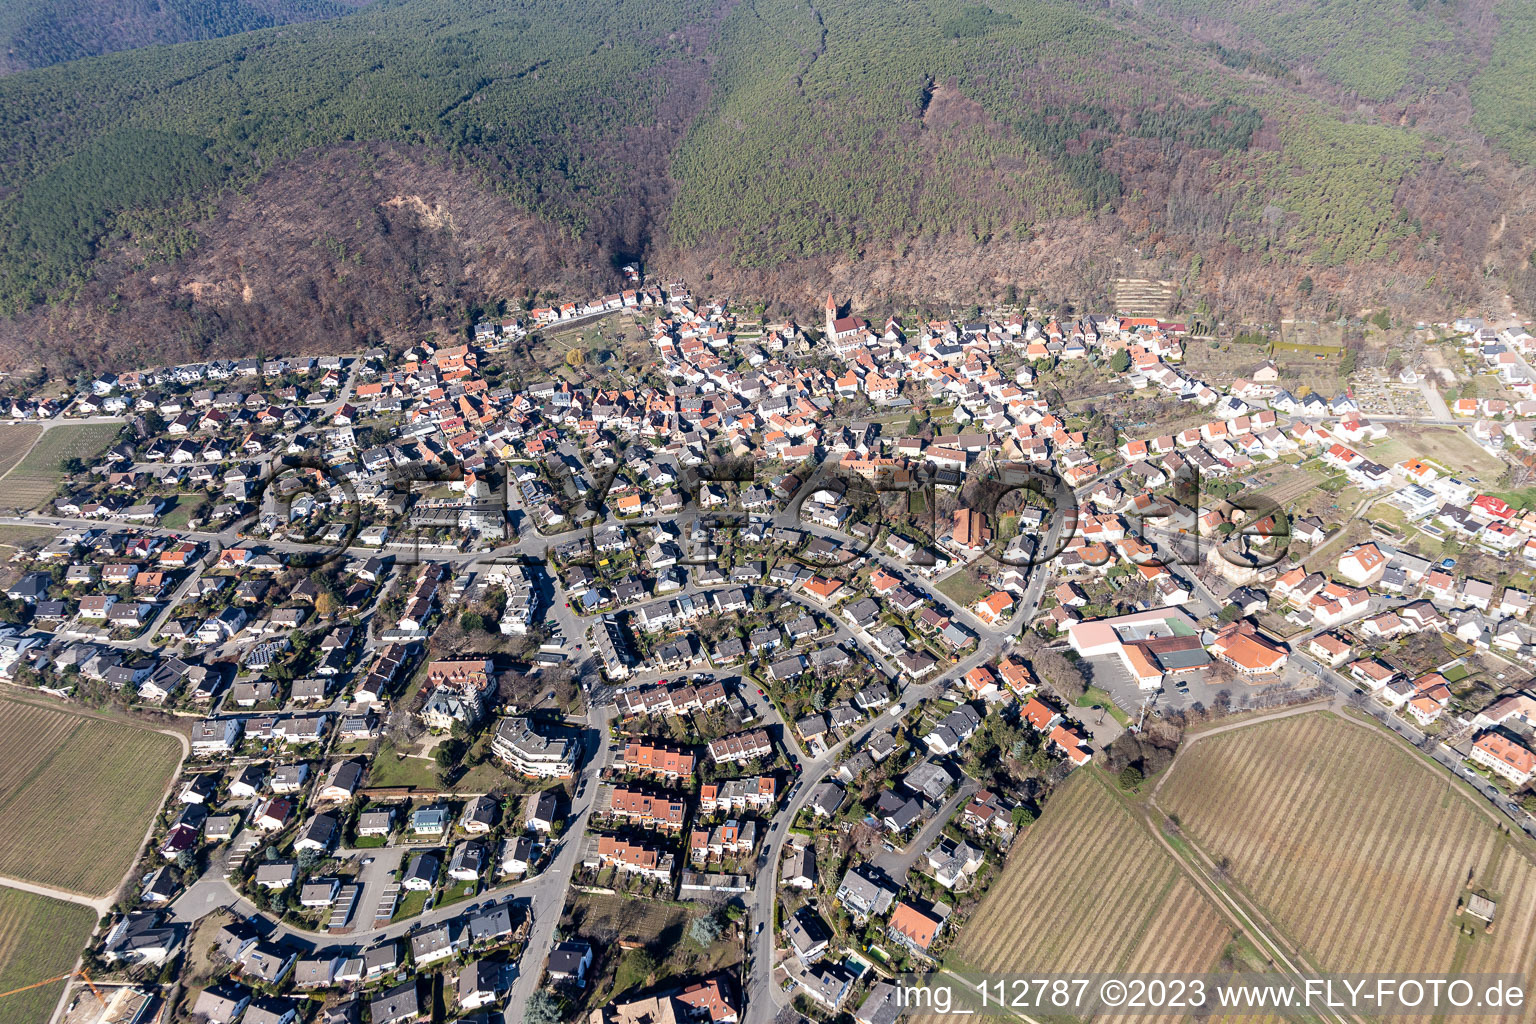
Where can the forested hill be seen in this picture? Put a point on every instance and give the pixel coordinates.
(37, 33)
(321, 183)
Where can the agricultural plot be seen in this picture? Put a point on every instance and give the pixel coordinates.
(37, 476)
(17, 538)
(1286, 485)
(1220, 363)
(1310, 356)
(1311, 337)
(1311, 805)
(15, 440)
(1139, 296)
(1086, 889)
(39, 939)
(1447, 446)
(76, 794)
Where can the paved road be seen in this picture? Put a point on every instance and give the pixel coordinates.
(548, 900)
(897, 863)
(1436, 401)
(546, 890)
(100, 904)
(763, 997)
(146, 639)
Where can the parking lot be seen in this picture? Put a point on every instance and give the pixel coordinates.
(1111, 676)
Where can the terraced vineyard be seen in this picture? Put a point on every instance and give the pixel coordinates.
(1314, 804)
(39, 939)
(76, 794)
(1087, 889)
(1138, 296)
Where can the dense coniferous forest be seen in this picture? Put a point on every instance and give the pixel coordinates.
(37, 33)
(1379, 147)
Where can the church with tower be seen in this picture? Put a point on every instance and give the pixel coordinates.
(839, 328)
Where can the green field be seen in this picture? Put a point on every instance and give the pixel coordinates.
(962, 589)
(1093, 695)
(420, 773)
(183, 511)
(26, 536)
(411, 903)
(39, 939)
(76, 795)
(37, 477)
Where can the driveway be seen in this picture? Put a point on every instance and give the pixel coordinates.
(374, 878)
(897, 864)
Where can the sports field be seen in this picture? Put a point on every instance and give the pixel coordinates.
(1355, 848)
(39, 939)
(37, 476)
(1087, 889)
(76, 794)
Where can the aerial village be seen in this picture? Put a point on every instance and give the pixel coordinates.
(775, 635)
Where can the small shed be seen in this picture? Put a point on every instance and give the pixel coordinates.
(1481, 907)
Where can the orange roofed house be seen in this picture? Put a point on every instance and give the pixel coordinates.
(992, 609)
(1017, 675)
(661, 812)
(822, 589)
(711, 1001)
(1363, 565)
(1502, 755)
(1067, 740)
(971, 533)
(913, 929)
(629, 858)
(981, 683)
(1040, 716)
(657, 759)
(1251, 654)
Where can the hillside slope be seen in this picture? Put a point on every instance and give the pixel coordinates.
(37, 33)
(902, 149)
